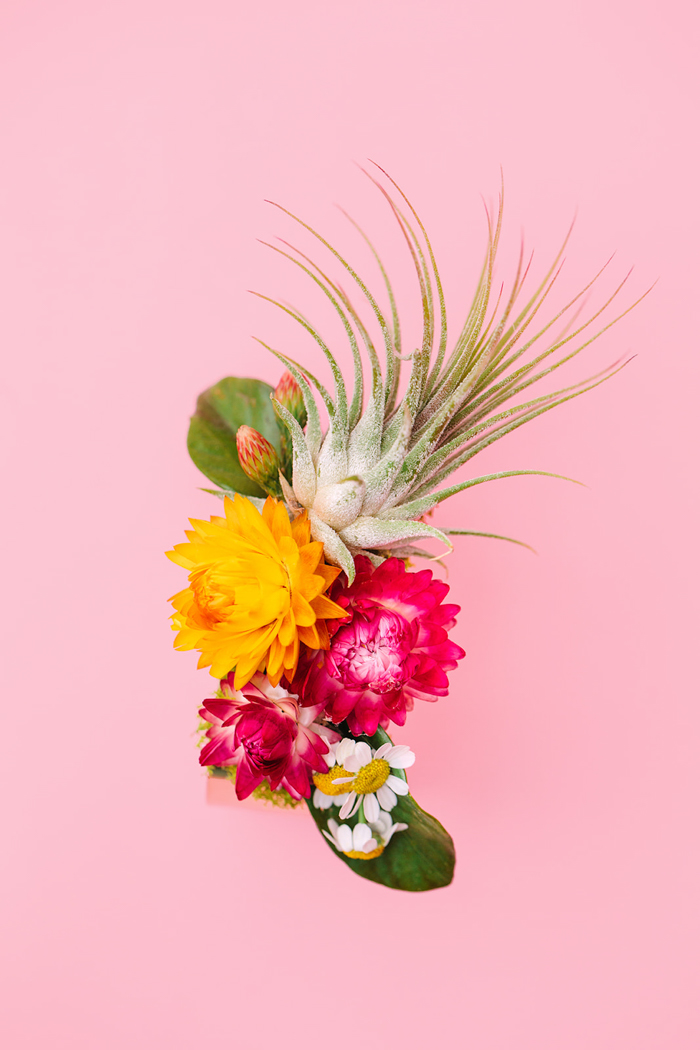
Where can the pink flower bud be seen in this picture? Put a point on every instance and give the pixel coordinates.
(258, 459)
(288, 393)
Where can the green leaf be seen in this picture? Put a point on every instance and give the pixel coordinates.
(420, 858)
(220, 411)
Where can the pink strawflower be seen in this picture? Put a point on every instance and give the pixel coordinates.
(392, 649)
(264, 732)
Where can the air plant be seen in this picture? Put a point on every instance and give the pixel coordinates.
(368, 481)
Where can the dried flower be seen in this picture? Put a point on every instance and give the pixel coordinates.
(256, 591)
(263, 732)
(391, 649)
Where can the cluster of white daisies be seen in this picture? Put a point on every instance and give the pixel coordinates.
(364, 781)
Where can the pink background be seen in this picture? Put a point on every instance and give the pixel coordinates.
(139, 140)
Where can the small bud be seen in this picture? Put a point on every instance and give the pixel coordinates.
(288, 393)
(258, 460)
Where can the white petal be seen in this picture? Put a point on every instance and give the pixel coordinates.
(332, 826)
(355, 808)
(369, 846)
(399, 786)
(364, 752)
(347, 806)
(344, 837)
(386, 797)
(361, 834)
(321, 800)
(343, 780)
(382, 825)
(384, 750)
(353, 764)
(370, 807)
(330, 838)
(394, 828)
(401, 757)
(403, 762)
(345, 748)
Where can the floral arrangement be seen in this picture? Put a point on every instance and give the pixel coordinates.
(301, 597)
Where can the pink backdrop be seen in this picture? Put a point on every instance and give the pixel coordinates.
(139, 140)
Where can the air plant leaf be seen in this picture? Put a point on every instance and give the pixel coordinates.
(375, 471)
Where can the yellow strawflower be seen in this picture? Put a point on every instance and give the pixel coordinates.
(256, 591)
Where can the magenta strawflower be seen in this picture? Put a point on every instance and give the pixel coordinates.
(264, 732)
(392, 650)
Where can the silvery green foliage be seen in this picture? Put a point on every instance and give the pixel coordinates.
(369, 479)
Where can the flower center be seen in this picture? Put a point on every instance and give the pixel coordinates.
(371, 777)
(324, 781)
(357, 854)
(371, 653)
(208, 600)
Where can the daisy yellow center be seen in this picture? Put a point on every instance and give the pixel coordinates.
(324, 781)
(371, 776)
(357, 854)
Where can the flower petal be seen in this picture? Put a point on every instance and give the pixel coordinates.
(398, 785)
(370, 808)
(364, 752)
(346, 808)
(386, 797)
(361, 834)
(344, 837)
(400, 757)
(345, 748)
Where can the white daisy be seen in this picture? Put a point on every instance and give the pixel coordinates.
(383, 828)
(366, 775)
(364, 841)
(327, 793)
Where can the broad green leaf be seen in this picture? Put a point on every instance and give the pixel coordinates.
(220, 411)
(420, 858)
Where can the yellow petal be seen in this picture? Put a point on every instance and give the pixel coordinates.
(303, 612)
(301, 529)
(309, 636)
(276, 658)
(325, 609)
